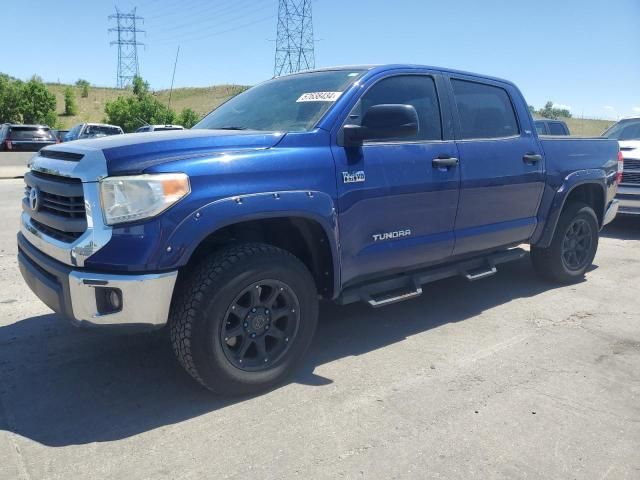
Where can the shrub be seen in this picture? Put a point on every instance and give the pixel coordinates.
(70, 105)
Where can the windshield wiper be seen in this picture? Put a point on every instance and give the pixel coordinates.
(231, 128)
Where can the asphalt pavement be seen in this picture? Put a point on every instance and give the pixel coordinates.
(505, 378)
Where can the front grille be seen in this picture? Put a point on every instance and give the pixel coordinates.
(631, 177)
(64, 206)
(632, 164)
(60, 211)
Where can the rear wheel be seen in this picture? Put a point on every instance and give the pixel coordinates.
(244, 318)
(572, 248)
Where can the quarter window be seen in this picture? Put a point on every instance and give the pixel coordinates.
(416, 90)
(556, 128)
(485, 111)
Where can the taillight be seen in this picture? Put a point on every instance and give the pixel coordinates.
(7, 145)
(620, 167)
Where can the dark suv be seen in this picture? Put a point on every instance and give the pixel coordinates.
(25, 138)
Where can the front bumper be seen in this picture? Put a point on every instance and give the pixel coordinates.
(74, 294)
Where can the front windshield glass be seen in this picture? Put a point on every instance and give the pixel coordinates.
(624, 130)
(285, 104)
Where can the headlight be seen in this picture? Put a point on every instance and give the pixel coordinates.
(136, 197)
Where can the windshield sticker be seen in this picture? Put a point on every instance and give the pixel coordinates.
(319, 97)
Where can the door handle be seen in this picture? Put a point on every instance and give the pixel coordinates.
(444, 162)
(531, 158)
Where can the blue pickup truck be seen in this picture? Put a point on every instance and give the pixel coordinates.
(347, 184)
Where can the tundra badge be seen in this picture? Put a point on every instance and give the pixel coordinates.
(391, 235)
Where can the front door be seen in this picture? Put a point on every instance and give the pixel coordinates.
(396, 206)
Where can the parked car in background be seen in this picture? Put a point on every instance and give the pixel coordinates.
(59, 134)
(627, 132)
(25, 138)
(551, 127)
(92, 130)
(159, 128)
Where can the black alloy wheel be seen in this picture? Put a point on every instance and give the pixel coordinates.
(259, 325)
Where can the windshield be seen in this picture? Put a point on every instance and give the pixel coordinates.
(285, 104)
(624, 130)
(30, 133)
(100, 131)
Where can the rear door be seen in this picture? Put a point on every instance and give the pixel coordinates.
(396, 209)
(501, 165)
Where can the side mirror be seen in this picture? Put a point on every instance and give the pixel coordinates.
(381, 122)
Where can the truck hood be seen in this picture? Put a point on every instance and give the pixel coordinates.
(630, 148)
(134, 152)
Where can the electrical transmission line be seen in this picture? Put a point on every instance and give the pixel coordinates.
(127, 40)
(294, 40)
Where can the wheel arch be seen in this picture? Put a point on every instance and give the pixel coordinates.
(275, 219)
(586, 186)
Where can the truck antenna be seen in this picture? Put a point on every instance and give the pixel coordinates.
(172, 79)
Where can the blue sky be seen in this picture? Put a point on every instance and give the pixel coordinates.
(581, 53)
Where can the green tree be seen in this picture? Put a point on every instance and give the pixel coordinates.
(549, 111)
(134, 111)
(140, 87)
(84, 87)
(70, 105)
(39, 104)
(188, 118)
(11, 99)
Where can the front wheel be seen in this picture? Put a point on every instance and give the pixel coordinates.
(244, 318)
(572, 248)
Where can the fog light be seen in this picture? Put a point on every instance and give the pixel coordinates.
(108, 300)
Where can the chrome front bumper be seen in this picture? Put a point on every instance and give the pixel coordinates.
(74, 294)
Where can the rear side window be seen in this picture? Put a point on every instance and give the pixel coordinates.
(540, 128)
(30, 133)
(416, 90)
(556, 128)
(485, 111)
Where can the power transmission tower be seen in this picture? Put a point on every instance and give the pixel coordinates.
(127, 41)
(294, 41)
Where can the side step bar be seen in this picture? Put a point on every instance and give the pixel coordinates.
(406, 286)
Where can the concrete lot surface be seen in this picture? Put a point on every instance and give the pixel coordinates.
(505, 378)
(14, 164)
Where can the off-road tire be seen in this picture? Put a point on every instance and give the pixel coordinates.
(201, 303)
(549, 263)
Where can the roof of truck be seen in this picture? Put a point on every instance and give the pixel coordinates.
(402, 66)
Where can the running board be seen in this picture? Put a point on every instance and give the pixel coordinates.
(406, 286)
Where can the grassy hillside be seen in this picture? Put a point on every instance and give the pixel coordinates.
(585, 127)
(91, 109)
(203, 100)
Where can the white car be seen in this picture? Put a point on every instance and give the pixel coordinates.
(627, 132)
(159, 128)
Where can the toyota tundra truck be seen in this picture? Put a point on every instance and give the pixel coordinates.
(346, 184)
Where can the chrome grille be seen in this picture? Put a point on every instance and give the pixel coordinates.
(631, 177)
(60, 211)
(631, 164)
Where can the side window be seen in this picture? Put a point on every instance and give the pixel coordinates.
(540, 128)
(556, 128)
(416, 90)
(485, 111)
(74, 131)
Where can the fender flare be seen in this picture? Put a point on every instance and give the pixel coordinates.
(542, 237)
(212, 217)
